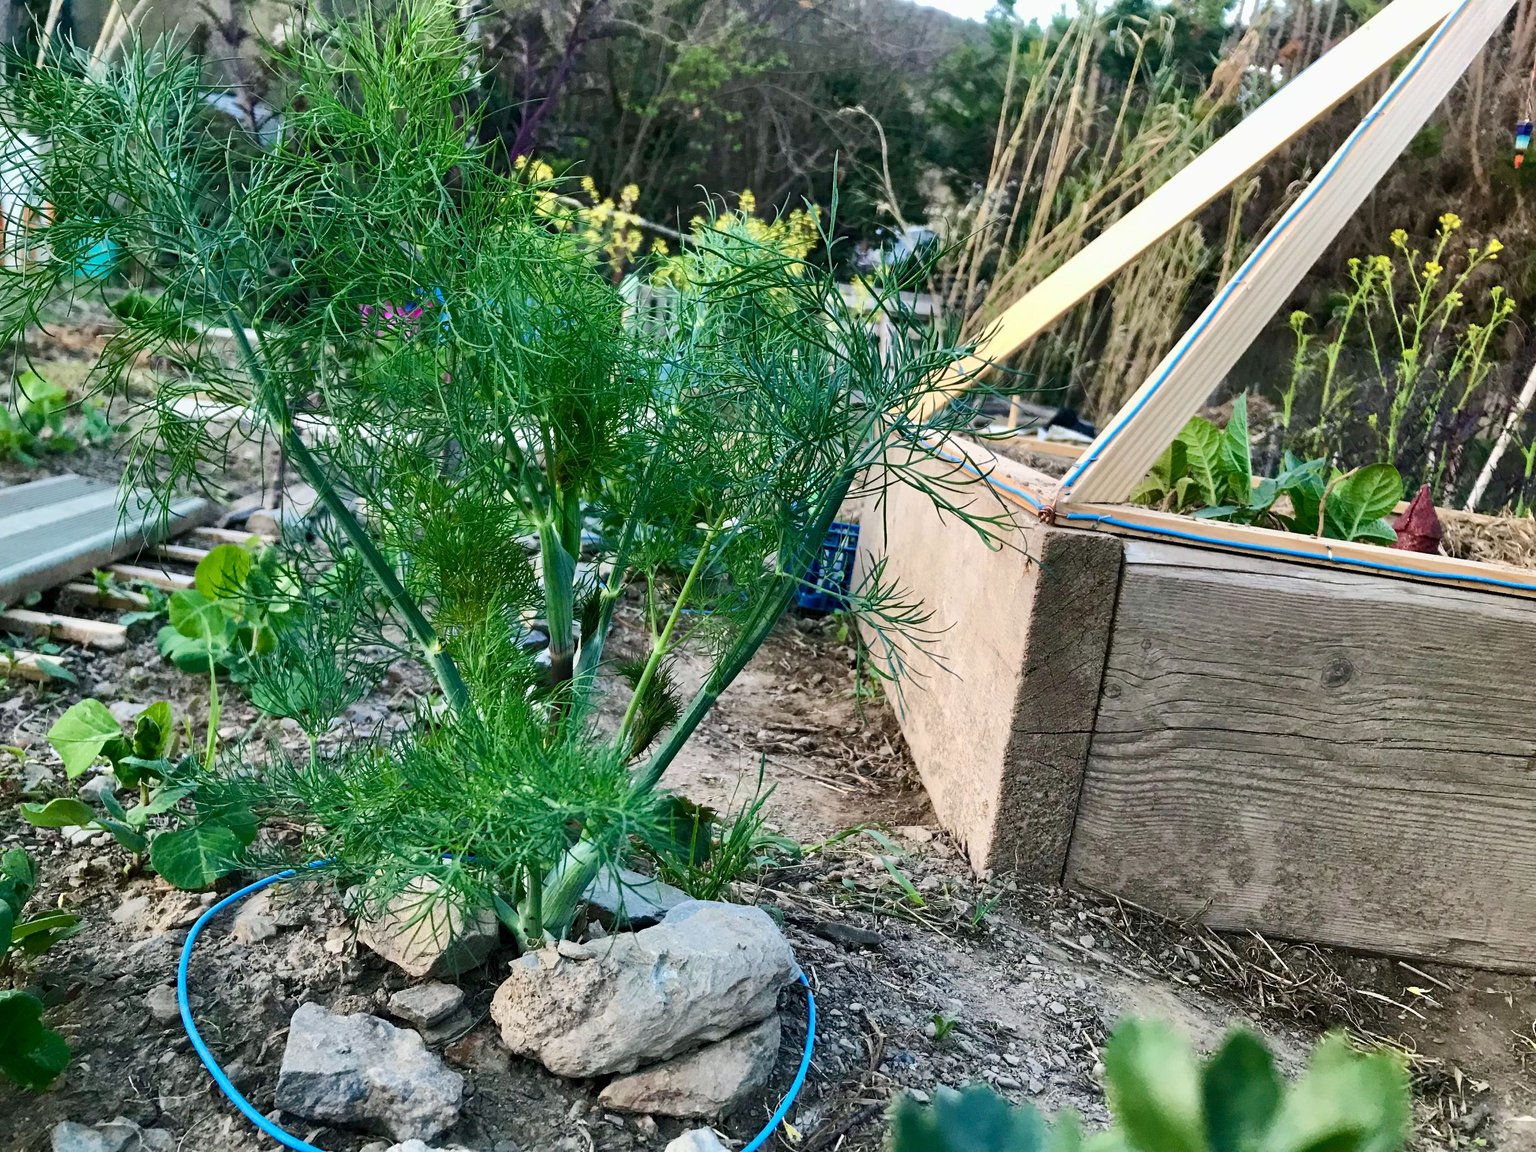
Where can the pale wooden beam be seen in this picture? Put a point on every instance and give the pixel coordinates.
(95, 633)
(1281, 118)
(1119, 459)
(136, 574)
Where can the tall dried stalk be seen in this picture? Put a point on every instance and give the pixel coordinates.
(1071, 155)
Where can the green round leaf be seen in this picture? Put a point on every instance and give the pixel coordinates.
(64, 812)
(223, 572)
(30, 1054)
(193, 858)
(80, 734)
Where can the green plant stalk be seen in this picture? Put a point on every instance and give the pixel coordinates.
(746, 646)
(299, 455)
(662, 644)
(531, 914)
(557, 568)
(569, 878)
(212, 747)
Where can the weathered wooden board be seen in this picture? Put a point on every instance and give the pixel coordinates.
(1070, 614)
(1316, 754)
(999, 727)
(54, 529)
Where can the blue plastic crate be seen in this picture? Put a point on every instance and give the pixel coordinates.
(831, 574)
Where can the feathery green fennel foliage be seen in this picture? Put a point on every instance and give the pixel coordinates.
(453, 373)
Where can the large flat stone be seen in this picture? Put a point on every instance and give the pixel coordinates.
(709, 1083)
(706, 971)
(365, 1073)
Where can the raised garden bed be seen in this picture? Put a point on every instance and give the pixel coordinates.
(1311, 743)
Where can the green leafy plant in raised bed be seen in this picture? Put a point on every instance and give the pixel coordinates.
(1164, 1100)
(377, 274)
(44, 423)
(1208, 471)
(191, 856)
(31, 1054)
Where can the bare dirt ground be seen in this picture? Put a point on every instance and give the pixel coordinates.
(924, 975)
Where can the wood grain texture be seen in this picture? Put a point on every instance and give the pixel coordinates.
(93, 633)
(999, 727)
(1053, 715)
(1318, 755)
(159, 577)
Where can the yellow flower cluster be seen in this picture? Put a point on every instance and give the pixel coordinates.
(794, 234)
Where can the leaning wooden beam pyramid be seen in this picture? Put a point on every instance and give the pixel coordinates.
(1093, 491)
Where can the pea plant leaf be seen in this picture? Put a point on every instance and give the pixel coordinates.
(222, 574)
(31, 1054)
(193, 858)
(64, 812)
(1241, 1092)
(82, 733)
(1153, 1087)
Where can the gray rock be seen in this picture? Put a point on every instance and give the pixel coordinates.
(423, 1005)
(709, 1083)
(697, 1140)
(625, 897)
(34, 776)
(162, 1004)
(253, 923)
(93, 789)
(71, 1137)
(126, 711)
(422, 1146)
(363, 1072)
(704, 972)
(119, 1135)
(429, 936)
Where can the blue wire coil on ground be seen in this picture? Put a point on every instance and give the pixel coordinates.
(287, 1139)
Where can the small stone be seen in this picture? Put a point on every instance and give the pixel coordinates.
(130, 910)
(709, 1083)
(126, 711)
(431, 937)
(848, 935)
(33, 777)
(1087, 940)
(364, 1072)
(697, 1140)
(916, 833)
(253, 923)
(99, 785)
(421, 1146)
(162, 1004)
(1056, 1008)
(77, 835)
(705, 972)
(647, 1127)
(423, 1005)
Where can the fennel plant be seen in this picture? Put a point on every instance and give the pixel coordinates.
(406, 312)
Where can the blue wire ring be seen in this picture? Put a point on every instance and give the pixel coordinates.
(289, 1140)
